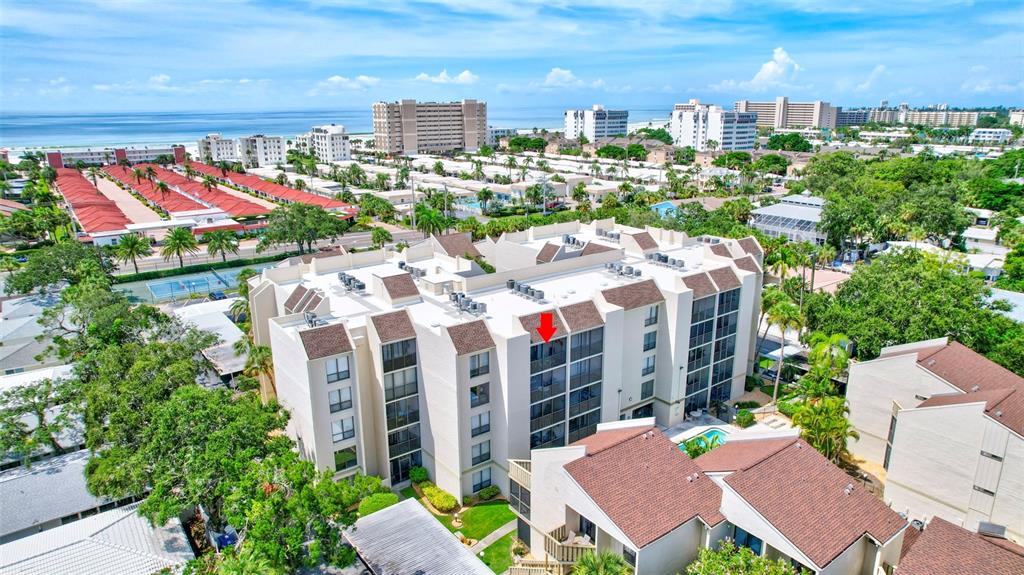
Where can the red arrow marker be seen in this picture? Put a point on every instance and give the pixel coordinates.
(546, 329)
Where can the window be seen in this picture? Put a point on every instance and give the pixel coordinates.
(698, 357)
(547, 384)
(337, 369)
(650, 340)
(629, 555)
(343, 429)
(725, 347)
(646, 389)
(584, 399)
(481, 452)
(399, 384)
(480, 423)
(584, 425)
(340, 399)
(519, 498)
(479, 364)
(345, 458)
(398, 355)
(652, 316)
(547, 413)
(481, 479)
(643, 411)
(550, 437)
(404, 440)
(480, 395)
(544, 356)
(703, 310)
(701, 333)
(648, 365)
(744, 539)
(400, 466)
(727, 324)
(588, 528)
(585, 372)
(721, 372)
(403, 412)
(728, 301)
(697, 381)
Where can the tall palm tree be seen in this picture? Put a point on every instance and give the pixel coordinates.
(94, 174)
(221, 242)
(138, 175)
(429, 220)
(177, 243)
(605, 563)
(131, 247)
(150, 173)
(525, 168)
(771, 296)
(163, 188)
(785, 315)
(209, 183)
(823, 256)
(382, 182)
(511, 164)
(260, 362)
(190, 172)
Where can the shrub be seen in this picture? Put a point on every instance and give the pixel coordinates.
(788, 409)
(439, 498)
(744, 418)
(489, 492)
(376, 502)
(418, 474)
(746, 404)
(751, 383)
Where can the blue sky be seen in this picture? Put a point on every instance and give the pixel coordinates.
(212, 55)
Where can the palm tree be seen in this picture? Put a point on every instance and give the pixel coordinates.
(138, 175)
(382, 182)
(300, 184)
(429, 220)
(177, 243)
(131, 247)
(150, 173)
(221, 242)
(484, 196)
(239, 310)
(380, 236)
(525, 168)
(163, 188)
(94, 174)
(698, 446)
(595, 168)
(478, 170)
(785, 315)
(823, 256)
(511, 164)
(824, 425)
(209, 183)
(439, 168)
(782, 264)
(260, 362)
(605, 563)
(771, 296)
(190, 172)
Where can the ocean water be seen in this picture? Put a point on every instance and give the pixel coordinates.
(36, 130)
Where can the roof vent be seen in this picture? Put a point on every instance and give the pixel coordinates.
(931, 362)
(999, 413)
(975, 388)
(992, 529)
(849, 489)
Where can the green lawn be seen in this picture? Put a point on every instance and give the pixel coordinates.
(499, 555)
(477, 521)
(408, 493)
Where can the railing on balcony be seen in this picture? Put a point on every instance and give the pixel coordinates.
(567, 552)
(530, 566)
(519, 471)
(524, 570)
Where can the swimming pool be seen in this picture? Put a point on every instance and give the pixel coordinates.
(710, 435)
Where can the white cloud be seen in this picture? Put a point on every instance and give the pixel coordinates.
(981, 80)
(560, 77)
(337, 84)
(57, 87)
(464, 77)
(869, 82)
(779, 72)
(155, 83)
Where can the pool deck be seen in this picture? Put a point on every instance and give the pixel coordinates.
(703, 420)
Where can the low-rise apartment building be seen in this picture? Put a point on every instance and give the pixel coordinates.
(388, 361)
(782, 113)
(596, 122)
(694, 124)
(103, 156)
(259, 151)
(1017, 117)
(629, 490)
(411, 127)
(948, 426)
(329, 143)
(990, 136)
(216, 148)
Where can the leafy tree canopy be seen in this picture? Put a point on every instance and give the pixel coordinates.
(789, 143)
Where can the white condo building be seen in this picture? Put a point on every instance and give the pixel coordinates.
(259, 151)
(216, 148)
(596, 122)
(391, 360)
(329, 143)
(694, 124)
(990, 136)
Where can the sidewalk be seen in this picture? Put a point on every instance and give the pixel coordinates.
(494, 536)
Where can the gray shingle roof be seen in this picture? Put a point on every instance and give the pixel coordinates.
(325, 341)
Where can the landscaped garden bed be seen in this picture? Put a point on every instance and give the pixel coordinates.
(475, 520)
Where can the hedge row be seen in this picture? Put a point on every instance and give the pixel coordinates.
(199, 268)
(441, 500)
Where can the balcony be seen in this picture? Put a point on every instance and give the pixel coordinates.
(519, 471)
(564, 552)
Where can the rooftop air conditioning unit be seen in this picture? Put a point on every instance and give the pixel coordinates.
(992, 529)
(539, 294)
(482, 307)
(510, 284)
(401, 265)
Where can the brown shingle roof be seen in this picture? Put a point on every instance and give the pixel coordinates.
(470, 337)
(721, 250)
(804, 496)
(966, 368)
(457, 245)
(989, 397)
(1005, 406)
(297, 295)
(311, 303)
(748, 264)
(736, 455)
(547, 253)
(750, 245)
(326, 340)
(701, 285)
(532, 321)
(626, 478)
(945, 549)
(632, 296)
(595, 248)
(400, 286)
(394, 326)
(645, 241)
(581, 316)
(725, 278)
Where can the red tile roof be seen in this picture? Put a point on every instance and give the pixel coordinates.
(750, 246)
(748, 264)
(547, 253)
(295, 298)
(805, 497)
(94, 211)
(645, 241)
(470, 337)
(232, 205)
(721, 250)
(274, 190)
(644, 483)
(966, 368)
(170, 201)
(989, 397)
(400, 286)
(595, 248)
(634, 295)
(945, 549)
(725, 278)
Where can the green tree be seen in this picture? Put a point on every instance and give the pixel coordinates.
(824, 425)
(785, 316)
(131, 247)
(731, 560)
(376, 502)
(221, 242)
(34, 417)
(52, 265)
(698, 446)
(301, 224)
(382, 182)
(604, 563)
(439, 168)
(380, 236)
(732, 160)
(789, 143)
(429, 220)
(177, 243)
(772, 164)
(484, 196)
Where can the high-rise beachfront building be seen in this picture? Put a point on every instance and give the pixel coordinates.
(782, 113)
(392, 360)
(694, 124)
(596, 122)
(411, 127)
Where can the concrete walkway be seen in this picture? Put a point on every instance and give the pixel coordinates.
(494, 536)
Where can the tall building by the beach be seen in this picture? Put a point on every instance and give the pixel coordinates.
(595, 123)
(411, 127)
(782, 113)
(694, 124)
